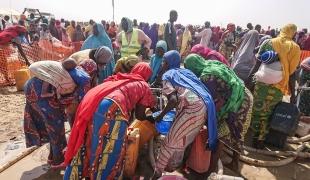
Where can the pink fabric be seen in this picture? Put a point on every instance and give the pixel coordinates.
(209, 54)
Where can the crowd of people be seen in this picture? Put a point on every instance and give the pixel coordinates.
(231, 82)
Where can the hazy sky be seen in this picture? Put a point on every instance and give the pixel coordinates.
(219, 12)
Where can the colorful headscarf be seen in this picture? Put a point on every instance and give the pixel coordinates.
(195, 63)
(289, 55)
(173, 59)
(268, 57)
(125, 64)
(203, 68)
(200, 50)
(219, 70)
(89, 66)
(10, 33)
(209, 54)
(90, 102)
(156, 60)
(143, 69)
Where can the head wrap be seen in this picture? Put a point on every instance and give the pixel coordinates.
(125, 64)
(89, 66)
(143, 69)
(201, 50)
(288, 31)
(129, 23)
(173, 59)
(195, 63)
(103, 54)
(289, 55)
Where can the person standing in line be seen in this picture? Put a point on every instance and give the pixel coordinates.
(205, 35)
(170, 35)
(131, 39)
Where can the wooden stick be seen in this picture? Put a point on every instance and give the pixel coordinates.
(278, 153)
(263, 163)
(19, 157)
(298, 140)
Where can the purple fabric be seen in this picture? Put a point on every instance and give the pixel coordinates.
(153, 34)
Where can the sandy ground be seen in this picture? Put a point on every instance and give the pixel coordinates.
(34, 165)
(12, 105)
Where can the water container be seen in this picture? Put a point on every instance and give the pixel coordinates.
(132, 152)
(21, 76)
(165, 124)
(147, 130)
(199, 158)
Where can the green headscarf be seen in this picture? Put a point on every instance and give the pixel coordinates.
(204, 69)
(195, 63)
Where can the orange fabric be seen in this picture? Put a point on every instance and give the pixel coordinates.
(304, 55)
(11, 60)
(289, 55)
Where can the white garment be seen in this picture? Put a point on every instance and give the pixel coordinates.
(205, 35)
(269, 73)
(54, 73)
(8, 24)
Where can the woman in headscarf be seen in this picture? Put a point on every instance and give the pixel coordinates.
(157, 59)
(244, 59)
(78, 34)
(101, 55)
(88, 66)
(98, 140)
(232, 99)
(97, 39)
(194, 108)
(186, 42)
(153, 35)
(47, 94)
(125, 64)
(209, 54)
(267, 96)
(15, 35)
(227, 42)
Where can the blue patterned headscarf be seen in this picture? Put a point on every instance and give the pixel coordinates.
(187, 79)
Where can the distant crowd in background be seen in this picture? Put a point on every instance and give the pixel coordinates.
(232, 80)
(208, 35)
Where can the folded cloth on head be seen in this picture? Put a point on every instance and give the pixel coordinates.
(54, 73)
